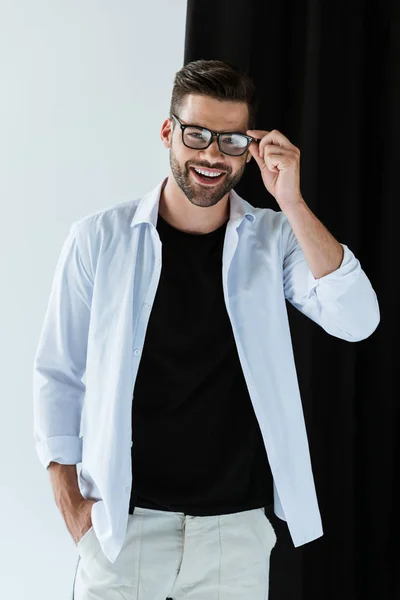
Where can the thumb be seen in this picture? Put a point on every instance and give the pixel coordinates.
(253, 149)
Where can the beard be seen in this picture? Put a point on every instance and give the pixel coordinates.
(203, 195)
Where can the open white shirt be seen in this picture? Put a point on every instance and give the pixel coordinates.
(94, 330)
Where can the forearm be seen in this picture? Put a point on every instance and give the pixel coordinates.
(322, 251)
(66, 490)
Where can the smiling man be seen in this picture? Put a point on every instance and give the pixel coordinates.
(174, 305)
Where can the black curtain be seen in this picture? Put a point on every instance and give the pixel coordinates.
(328, 77)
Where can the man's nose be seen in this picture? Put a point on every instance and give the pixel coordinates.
(213, 150)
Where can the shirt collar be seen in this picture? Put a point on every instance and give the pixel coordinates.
(147, 209)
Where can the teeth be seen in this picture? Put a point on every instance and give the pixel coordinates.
(207, 173)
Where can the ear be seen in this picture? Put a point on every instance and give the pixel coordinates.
(249, 157)
(166, 133)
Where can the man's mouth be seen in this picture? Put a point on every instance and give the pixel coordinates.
(206, 176)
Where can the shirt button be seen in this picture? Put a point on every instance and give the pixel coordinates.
(158, 262)
(136, 352)
(127, 489)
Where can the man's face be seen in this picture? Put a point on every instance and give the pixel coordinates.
(217, 116)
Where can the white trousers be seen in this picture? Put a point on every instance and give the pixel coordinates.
(181, 557)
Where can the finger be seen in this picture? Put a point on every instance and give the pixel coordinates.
(277, 162)
(277, 138)
(257, 133)
(254, 151)
(268, 149)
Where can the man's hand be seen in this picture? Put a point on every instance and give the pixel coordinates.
(75, 508)
(78, 519)
(279, 162)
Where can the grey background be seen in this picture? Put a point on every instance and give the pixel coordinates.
(85, 86)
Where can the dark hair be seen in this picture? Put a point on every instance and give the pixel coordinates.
(216, 79)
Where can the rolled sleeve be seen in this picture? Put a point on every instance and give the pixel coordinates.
(63, 449)
(343, 302)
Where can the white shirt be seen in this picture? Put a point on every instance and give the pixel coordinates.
(94, 328)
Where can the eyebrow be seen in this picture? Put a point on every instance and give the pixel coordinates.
(214, 130)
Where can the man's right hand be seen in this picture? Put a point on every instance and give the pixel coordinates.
(75, 508)
(79, 519)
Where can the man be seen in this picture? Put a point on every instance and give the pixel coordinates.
(173, 305)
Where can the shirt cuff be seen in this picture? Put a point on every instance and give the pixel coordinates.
(63, 449)
(338, 281)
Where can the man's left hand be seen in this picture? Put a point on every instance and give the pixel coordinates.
(279, 162)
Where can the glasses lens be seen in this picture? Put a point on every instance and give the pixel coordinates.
(234, 144)
(196, 137)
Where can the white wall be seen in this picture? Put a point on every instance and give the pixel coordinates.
(85, 86)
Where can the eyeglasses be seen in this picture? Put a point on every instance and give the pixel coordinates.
(199, 138)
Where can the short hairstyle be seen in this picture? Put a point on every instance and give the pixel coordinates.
(216, 79)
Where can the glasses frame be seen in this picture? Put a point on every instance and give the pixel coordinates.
(213, 135)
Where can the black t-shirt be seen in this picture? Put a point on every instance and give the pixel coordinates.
(197, 446)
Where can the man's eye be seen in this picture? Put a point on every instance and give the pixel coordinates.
(236, 140)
